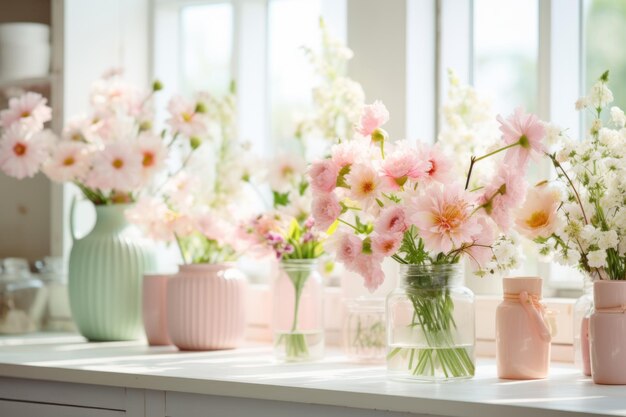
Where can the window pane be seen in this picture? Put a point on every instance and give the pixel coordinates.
(292, 24)
(206, 47)
(605, 32)
(505, 52)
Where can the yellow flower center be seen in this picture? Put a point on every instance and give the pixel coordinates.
(25, 114)
(537, 219)
(367, 187)
(117, 163)
(451, 216)
(148, 159)
(187, 117)
(19, 149)
(69, 161)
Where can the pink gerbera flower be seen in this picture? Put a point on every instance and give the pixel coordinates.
(325, 209)
(349, 249)
(526, 130)
(69, 162)
(365, 184)
(116, 167)
(21, 153)
(392, 220)
(440, 166)
(323, 175)
(404, 164)
(185, 118)
(480, 250)
(387, 244)
(373, 117)
(443, 217)
(29, 109)
(370, 268)
(506, 192)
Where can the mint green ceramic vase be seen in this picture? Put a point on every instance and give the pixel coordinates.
(105, 277)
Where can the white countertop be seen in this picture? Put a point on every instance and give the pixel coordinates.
(252, 373)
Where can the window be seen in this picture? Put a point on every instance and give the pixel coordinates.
(505, 52)
(206, 47)
(605, 31)
(291, 25)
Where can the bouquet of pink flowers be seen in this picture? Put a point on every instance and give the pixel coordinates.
(404, 201)
(110, 155)
(201, 204)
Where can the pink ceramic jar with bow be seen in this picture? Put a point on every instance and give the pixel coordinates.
(522, 333)
(607, 333)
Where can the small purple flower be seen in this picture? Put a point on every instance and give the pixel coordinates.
(274, 238)
(288, 249)
(307, 237)
(309, 223)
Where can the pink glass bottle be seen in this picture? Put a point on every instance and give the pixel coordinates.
(607, 332)
(522, 334)
(154, 308)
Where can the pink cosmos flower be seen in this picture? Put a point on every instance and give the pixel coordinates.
(179, 189)
(153, 153)
(116, 167)
(69, 162)
(153, 217)
(480, 251)
(404, 164)
(212, 226)
(443, 217)
(505, 192)
(370, 268)
(349, 249)
(184, 119)
(285, 171)
(392, 220)
(538, 216)
(21, 153)
(29, 109)
(386, 245)
(525, 129)
(323, 176)
(325, 210)
(440, 169)
(373, 117)
(365, 184)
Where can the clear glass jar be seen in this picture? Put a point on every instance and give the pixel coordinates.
(298, 319)
(364, 330)
(430, 324)
(22, 298)
(53, 272)
(582, 311)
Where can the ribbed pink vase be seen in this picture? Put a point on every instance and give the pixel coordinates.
(154, 308)
(607, 333)
(206, 307)
(522, 334)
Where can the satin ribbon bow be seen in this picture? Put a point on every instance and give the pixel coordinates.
(536, 312)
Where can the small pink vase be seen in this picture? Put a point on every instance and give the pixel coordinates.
(607, 333)
(206, 307)
(522, 334)
(154, 309)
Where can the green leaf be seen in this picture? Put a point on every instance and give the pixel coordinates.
(280, 199)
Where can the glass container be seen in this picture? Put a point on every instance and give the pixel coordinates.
(430, 325)
(298, 319)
